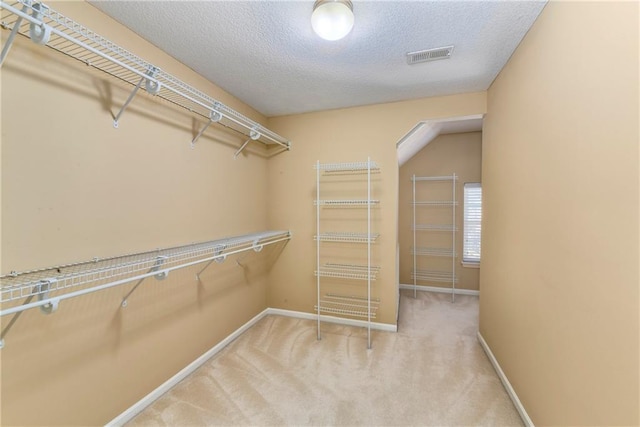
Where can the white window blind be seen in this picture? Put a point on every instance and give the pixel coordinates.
(472, 222)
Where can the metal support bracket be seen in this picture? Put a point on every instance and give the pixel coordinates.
(220, 257)
(42, 291)
(160, 276)
(9, 42)
(214, 117)
(254, 135)
(151, 85)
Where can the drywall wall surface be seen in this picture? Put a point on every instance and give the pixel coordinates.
(347, 135)
(559, 275)
(74, 188)
(457, 152)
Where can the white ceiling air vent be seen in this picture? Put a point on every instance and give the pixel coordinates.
(429, 55)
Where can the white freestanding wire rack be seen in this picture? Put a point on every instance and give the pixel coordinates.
(429, 275)
(332, 303)
(46, 288)
(45, 26)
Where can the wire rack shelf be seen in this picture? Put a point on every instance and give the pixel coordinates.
(348, 305)
(427, 251)
(435, 227)
(436, 203)
(435, 178)
(348, 271)
(347, 237)
(335, 304)
(434, 276)
(54, 284)
(348, 168)
(45, 26)
(342, 203)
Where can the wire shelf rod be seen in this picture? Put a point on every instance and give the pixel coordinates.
(348, 305)
(434, 276)
(124, 270)
(346, 312)
(435, 227)
(351, 298)
(436, 203)
(348, 271)
(348, 167)
(90, 48)
(346, 203)
(435, 178)
(429, 251)
(347, 237)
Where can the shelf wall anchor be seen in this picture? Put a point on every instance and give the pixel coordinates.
(257, 247)
(42, 290)
(39, 33)
(160, 276)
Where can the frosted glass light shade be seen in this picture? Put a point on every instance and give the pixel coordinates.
(332, 19)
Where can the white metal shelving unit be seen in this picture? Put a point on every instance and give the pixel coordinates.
(45, 26)
(357, 306)
(432, 275)
(48, 287)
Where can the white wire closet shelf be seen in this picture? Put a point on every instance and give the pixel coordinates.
(343, 185)
(348, 305)
(352, 167)
(45, 26)
(54, 284)
(347, 237)
(337, 203)
(435, 227)
(435, 178)
(433, 186)
(429, 251)
(436, 203)
(434, 276)
(348, 271)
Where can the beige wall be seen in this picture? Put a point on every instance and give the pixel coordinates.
(559, 277)
(74, 188)
(460, 153)
(344, 136)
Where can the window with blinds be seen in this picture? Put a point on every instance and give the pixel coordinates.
(472, 222)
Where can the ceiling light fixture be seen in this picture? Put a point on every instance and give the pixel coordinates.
(332, 19)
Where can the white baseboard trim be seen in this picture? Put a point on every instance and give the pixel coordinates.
(331, 319)
(438, 289)
(505, 382)
(136, 408)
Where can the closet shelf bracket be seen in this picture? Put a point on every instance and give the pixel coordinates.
(151, 85)
(218, 257)
(12, 36)
(214, 117)
(161, 275)
(254, 135)
(41, 290)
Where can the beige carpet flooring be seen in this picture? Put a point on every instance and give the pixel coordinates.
(431, 372)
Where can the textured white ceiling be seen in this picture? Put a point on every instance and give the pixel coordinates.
(266, 54)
